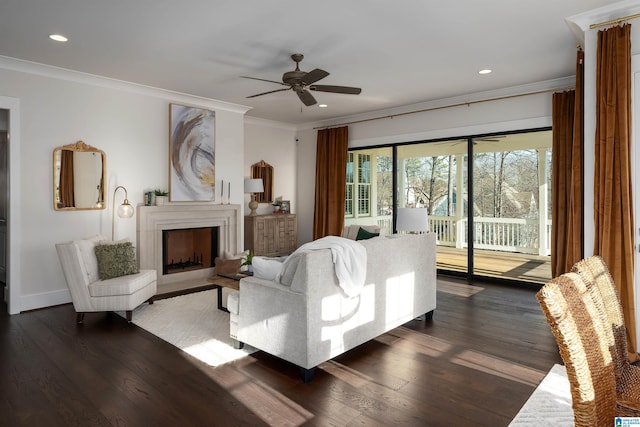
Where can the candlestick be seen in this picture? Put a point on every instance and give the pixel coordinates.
(229, 195)
(222, 191)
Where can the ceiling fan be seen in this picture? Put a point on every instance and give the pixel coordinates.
(301, 82)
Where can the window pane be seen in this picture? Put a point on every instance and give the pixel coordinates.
(350, 169)
(363, 199)
(348, 210)
(369, 199)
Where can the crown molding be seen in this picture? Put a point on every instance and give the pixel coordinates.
(521, 90)
(580, 23)
(28, 67)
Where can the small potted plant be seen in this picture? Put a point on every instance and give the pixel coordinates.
(247, 261)
(277, 204)
(161, 197)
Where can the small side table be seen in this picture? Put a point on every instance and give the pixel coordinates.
(225, 281)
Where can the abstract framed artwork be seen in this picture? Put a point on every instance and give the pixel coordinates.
(191, 154)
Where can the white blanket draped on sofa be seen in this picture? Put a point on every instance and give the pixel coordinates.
(349, 258)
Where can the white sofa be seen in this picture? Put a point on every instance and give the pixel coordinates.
(89, 293)
(307, 319)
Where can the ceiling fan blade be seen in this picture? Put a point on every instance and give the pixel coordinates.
(306, 97)
(264, 80)
(313, 76)
(266, 93)
(337, 89)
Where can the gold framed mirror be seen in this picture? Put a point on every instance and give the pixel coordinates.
(79, 175)
(263, 171)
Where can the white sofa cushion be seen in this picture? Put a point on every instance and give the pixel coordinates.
(233, 302)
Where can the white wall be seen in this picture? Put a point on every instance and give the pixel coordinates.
(273, 142)
(129, 123)
(513, 113)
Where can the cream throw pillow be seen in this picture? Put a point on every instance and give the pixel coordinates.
(267, 268)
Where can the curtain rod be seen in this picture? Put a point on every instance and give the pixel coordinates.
(614, 21)
(461, 104)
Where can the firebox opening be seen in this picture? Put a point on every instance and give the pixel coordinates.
(189, 249)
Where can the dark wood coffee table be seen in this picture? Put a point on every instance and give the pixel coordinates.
(220, 281)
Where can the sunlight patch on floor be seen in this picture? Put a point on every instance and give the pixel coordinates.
(346, 374)
(459, 289)
(429, 345)
(214, 352)
(269, 404)
(499, 367)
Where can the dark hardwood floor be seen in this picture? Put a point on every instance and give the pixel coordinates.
(475, 364)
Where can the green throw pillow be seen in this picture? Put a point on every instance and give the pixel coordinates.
(116, 260)
(364, 234)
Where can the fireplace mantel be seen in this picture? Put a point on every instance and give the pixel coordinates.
(152, 220)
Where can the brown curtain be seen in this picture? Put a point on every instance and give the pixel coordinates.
(331, 181)
(613, 202)
(567, 176)
(66, 179)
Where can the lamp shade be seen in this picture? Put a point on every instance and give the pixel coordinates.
(125, 210)
(253, 185)
(412, 219)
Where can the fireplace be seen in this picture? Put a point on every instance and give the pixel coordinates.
(189, 249)
(153, 221)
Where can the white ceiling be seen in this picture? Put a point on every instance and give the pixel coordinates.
(399, 53)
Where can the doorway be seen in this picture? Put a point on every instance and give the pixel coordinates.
(4, 199)
(10, 178)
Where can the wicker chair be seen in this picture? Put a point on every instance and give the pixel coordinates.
(595, 274)
(581, 334)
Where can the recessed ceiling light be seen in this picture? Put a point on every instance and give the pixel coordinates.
(58, 37)
(485, 71)
(322, 105)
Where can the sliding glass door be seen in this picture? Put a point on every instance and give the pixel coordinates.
(491, 216)
(434, 176)
(512, 206)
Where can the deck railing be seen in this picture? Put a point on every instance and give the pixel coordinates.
(498, 234)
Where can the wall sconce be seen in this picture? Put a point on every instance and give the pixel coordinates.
(125, 210)
(253, 186)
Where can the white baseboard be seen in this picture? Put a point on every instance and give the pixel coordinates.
(45, 299)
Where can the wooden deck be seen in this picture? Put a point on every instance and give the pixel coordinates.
(504, 265)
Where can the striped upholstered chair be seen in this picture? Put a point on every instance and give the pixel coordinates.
(581, 335)
(89, 293)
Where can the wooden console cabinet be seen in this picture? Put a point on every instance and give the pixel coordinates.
(271, 235)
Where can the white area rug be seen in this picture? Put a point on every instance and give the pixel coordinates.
(550, 403)
(194, 324)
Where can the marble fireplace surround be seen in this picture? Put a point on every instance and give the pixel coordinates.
(152, 220)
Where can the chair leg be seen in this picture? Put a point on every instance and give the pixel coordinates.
(79, 317)
(307, 374)
(429, 316)
(129, 315)
(150, 300)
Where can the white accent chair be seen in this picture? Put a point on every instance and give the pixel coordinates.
(89, 293)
